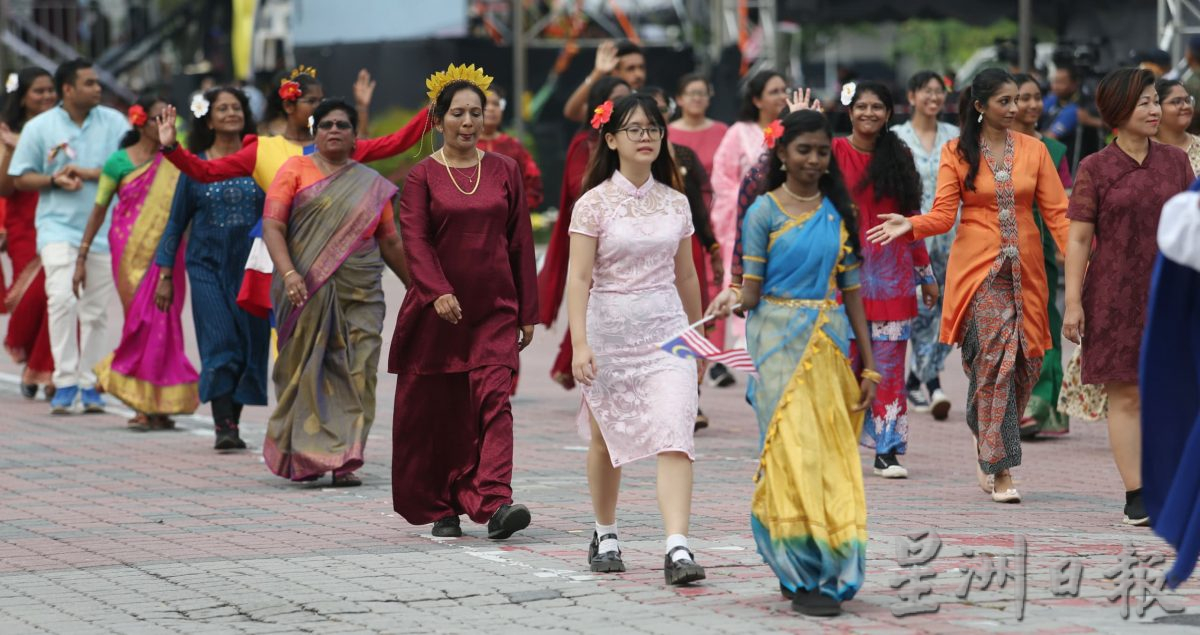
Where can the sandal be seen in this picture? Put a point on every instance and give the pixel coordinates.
(346, 480)
(139, 423)
(161, 422)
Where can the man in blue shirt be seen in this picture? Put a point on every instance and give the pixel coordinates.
(60, 154)
(1062, 105)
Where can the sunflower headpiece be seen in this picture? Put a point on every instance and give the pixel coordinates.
(438, 81)
(303, 70)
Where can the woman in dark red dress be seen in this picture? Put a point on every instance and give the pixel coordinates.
(495, 140)
(470, 309)
(552, 279)
(1118, 196)
(28, 337)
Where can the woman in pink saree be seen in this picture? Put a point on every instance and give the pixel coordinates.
(149, 371)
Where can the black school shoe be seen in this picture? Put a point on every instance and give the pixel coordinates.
(508, 520)
(815, 604)
(607, 562)
(1135, 509)
(448, 527)
(227, 437)
(684, 571)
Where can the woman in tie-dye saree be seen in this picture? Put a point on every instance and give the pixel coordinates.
(799, 249)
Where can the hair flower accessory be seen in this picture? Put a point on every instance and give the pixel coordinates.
(12, 83)
(289, 90)
(772, 133)
(602, 114)
(848, 91)
(137, 115)
(199, 106)
(461, 73)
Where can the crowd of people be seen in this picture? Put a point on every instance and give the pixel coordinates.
(827, 258)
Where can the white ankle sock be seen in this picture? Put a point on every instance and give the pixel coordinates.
(610, 544)
(677, 540)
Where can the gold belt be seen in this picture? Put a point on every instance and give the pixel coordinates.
(796, 303)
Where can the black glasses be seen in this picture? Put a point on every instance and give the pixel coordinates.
(340, 124)
(637, 133)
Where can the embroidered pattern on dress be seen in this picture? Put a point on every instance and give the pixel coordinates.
(1006, 202)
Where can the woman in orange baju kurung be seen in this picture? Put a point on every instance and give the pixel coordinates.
(995, 304)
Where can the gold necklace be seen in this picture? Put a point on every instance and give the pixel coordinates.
(855, 145)
(802, 199)
(478, 171)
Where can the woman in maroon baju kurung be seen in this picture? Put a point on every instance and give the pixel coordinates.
(453, 425)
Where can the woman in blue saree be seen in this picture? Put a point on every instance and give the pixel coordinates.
(799, 249)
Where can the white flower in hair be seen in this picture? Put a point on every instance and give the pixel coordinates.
(199, 106)
(848, 90)
(12, 83)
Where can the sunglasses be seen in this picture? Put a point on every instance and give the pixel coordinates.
(330, 125)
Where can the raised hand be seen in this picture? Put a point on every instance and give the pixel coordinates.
(893, 227)
(802, 100)
(166, 126)
(8, 137)
(364, 89)
(606, 57)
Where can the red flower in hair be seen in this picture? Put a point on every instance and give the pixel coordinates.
(772, 133)
(602, 114)
(289, 91)
(137, 115)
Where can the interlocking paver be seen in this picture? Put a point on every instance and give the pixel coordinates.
(102, 530)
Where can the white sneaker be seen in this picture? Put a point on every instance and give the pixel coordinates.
(940, 405)
(888, 467)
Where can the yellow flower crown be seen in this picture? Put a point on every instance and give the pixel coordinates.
(302, 70)
(462, 73)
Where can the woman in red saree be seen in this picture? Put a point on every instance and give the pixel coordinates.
(28, 337)
(328, 227)
(469, 243)
(552, 279)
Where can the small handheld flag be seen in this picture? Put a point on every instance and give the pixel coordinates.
(691, 345)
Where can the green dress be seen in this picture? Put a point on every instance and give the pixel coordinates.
(1041, 414)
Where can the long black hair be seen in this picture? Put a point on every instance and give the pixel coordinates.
(598, 94)
(135, 133)
(275, 102)
(605, 161)
(985, 84)
(831, 183)
(201, 137)
(14, 103)
(754, 90)
(891, 171)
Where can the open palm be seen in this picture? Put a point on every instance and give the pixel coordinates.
(893, 227)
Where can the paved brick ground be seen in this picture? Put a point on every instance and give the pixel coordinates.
(107, 531)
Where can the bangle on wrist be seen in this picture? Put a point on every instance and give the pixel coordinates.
(714, 248)
(290, 272)
(871, 375)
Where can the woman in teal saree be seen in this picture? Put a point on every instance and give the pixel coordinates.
(328, 227)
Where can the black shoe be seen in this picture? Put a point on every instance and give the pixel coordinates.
(29, 391)
(816, 604)
(701, 420)
(227, 437)
(508, 520)
(787, 593)
(887, 466)
(447, 527)
(1135, 509)
(720, 376)
(684, 571)
(607, 562)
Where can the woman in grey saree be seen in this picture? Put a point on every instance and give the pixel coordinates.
(329, 230)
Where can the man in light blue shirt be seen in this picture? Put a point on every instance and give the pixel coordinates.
(60, 154)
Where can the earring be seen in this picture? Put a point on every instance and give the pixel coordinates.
(783, 167)
(980, 118)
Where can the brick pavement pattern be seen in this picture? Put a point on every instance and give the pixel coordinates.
(107, 531)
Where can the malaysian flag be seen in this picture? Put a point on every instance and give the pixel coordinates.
(691, 345)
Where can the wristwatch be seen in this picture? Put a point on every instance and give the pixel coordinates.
(169, 149)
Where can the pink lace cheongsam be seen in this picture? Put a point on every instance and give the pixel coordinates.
(643, 398)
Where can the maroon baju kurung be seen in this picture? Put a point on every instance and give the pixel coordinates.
(452, 427)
